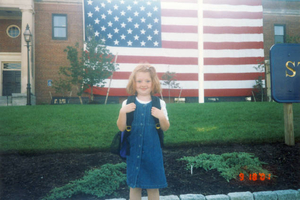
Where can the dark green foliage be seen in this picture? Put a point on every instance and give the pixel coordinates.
(73, 74)
(230, 165)
(98, 182)
(293, 39)
(62, 86)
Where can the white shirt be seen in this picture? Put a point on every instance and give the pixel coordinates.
(162, 105)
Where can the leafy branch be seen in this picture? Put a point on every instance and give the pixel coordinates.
(169, 80)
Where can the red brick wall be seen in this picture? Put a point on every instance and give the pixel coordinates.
(8, 44)
(290, 21)
(49, 54)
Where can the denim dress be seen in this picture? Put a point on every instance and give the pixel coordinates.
(145, 168)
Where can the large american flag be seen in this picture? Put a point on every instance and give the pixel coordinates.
(212, 45)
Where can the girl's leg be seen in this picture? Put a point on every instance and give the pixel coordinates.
(135, 194)
(153, 194)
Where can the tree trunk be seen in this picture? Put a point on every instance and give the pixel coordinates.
(92, 96)
(80, 100)
(79, 96)
(169, 93)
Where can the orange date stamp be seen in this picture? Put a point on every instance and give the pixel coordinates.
(255, 177)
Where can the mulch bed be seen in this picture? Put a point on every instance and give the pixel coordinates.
(31, 177)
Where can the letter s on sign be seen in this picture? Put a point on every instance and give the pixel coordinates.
(289, 68)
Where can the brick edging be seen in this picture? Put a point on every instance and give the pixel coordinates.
(264, 195)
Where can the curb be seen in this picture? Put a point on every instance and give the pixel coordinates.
(265, 195)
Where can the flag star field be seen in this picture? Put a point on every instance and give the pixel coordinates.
(125, 23)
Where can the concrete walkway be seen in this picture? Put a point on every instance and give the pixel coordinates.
(267, 195)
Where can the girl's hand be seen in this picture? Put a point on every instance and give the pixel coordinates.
(157, 113)
(128, 108)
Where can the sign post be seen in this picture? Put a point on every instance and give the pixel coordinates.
(289, 124)
(285, 81)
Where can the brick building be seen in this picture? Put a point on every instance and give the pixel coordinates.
(281, 19)
(53, 56)
(56, 24)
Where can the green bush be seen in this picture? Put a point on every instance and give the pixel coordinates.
(98, 182)
(230, 165)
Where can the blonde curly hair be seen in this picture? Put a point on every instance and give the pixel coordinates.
(131, 86)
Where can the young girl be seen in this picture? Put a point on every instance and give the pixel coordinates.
(145, 168)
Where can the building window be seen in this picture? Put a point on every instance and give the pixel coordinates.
(13, 31)
(59, 27)
(11, 66)
(11, 78)
(279, 34)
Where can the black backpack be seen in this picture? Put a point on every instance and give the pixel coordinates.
(120, 145)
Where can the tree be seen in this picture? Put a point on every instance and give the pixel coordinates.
(74, 73)
(169, 80)
(62, 85)
(258, 88)
(92, 68)
(98, 62)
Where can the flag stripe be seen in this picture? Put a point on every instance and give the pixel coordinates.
(180, 45)
(233, 53)
(232, 15)
(122, 92)
(180, 1)
(233, 61)
(228, 92)
(179, 5)
(178, 76)
(233, 22)
(232, 8)
(179, 29)
(191, 84)
(176, 92)
(158, 60)
(233, 37)
(162, 68)
(190, 69)
(179, 37)
(229, 69)
(232, 76)
(232, 30)
(194, 76)
(229, 84)
(148, 52)
(119, 83)
(184, 21)
(234, 2)
(233, 45)
(179, 13)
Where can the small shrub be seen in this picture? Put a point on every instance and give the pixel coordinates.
(230, 165)
(98, 182)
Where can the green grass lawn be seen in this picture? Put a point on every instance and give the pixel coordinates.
(62, 128)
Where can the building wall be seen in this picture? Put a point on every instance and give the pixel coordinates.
(279, 12)
(50, 53)
(7, 43)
